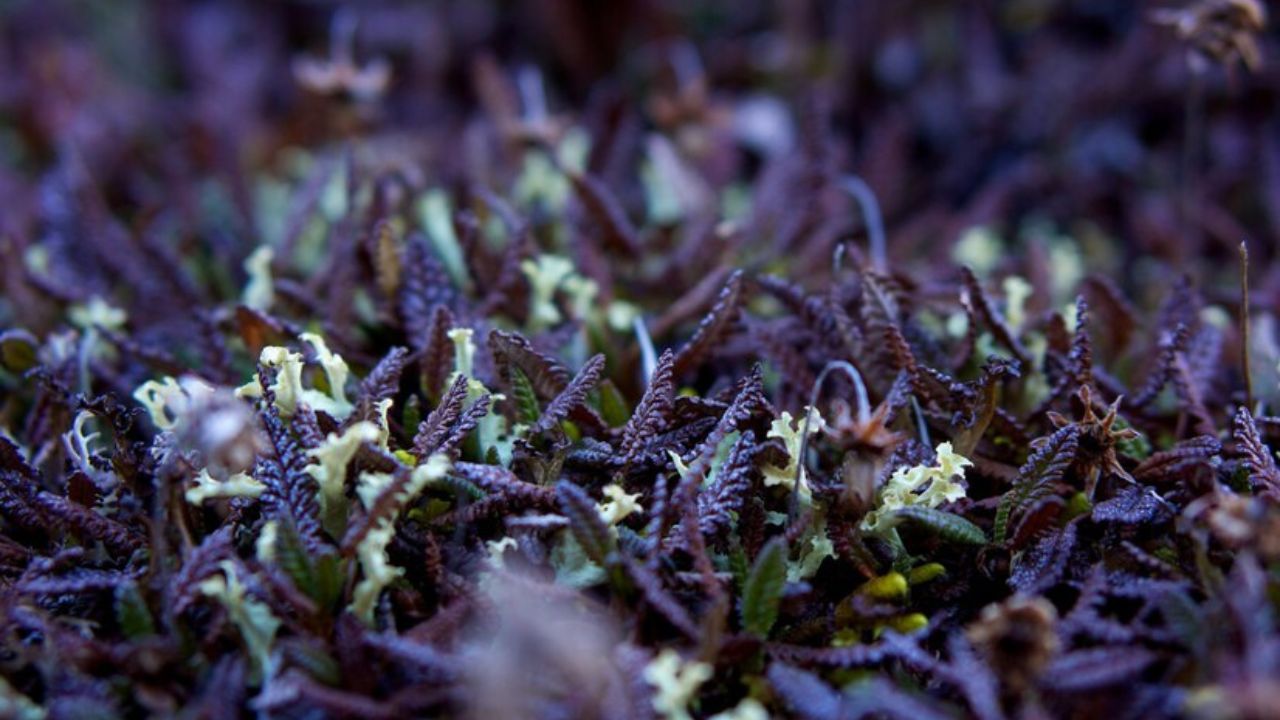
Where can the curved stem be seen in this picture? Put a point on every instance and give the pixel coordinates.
(1244, 325)
(648, 357)
(533, 96)
(860, 191)
(864, 415)
(921, 426)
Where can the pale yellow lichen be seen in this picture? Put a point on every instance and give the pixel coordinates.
(676, 683)
(926, 485)
(259, 292)
(97, 313)
(980, 249)
(288, 387)
(208, 487)
(747, 709)
(264, 548)
(375, 565)
(545, 274)
(167, 399)
(790, 430)
(254, 620)
(1016, 293)
(620, 505)
(331, 460)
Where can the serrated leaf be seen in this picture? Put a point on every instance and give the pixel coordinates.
(1134, 505)
(945, 525)
(1044, 564)
(585, 522)
(525, 399)
(763, 589)
(132, 613)
(574, 395)
(1096, 667)
(1036, 477)
(319, 576)
(292, 557)
(804, 693)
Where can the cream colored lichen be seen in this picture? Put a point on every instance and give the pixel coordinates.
(582, 294)
(496, 549)
(331, 458)
(380, 410)
(335, 369)
(790, 431)
(815, 548)
(675, 682)
(254, 620)
(264, 548)
(167, 399)
(620, 505)
(288, 387)
(747, 709)
(371, 552)
(464, 351)
(208, 488)
(925, 485)
(1016, 293)
(980, 249)
(79, 443)
(259, 292)
(491, 431)
(97, 313)
(545, 274)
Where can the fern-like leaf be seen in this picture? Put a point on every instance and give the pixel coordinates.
(1036, 477)
(948, 526)
(585, 522)
(574, 395)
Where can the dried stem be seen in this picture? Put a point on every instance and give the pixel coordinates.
(860, 191)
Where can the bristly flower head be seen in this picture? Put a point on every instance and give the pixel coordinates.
(1098, 438)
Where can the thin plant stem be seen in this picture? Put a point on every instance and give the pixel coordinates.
(1244, 325)
(870, 207)
(864, 415)
(648, 356)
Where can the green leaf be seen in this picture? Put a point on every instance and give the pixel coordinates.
(315, 661)
(1036, 478)
(945, 525)
(330, 575)
(18, 351)
(525, 398)
(763, 589)
(132, 612)
(613, 407)
(294, 559)
(319, 577)
(738, 564)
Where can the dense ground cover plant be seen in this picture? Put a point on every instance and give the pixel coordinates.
(334, 389)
